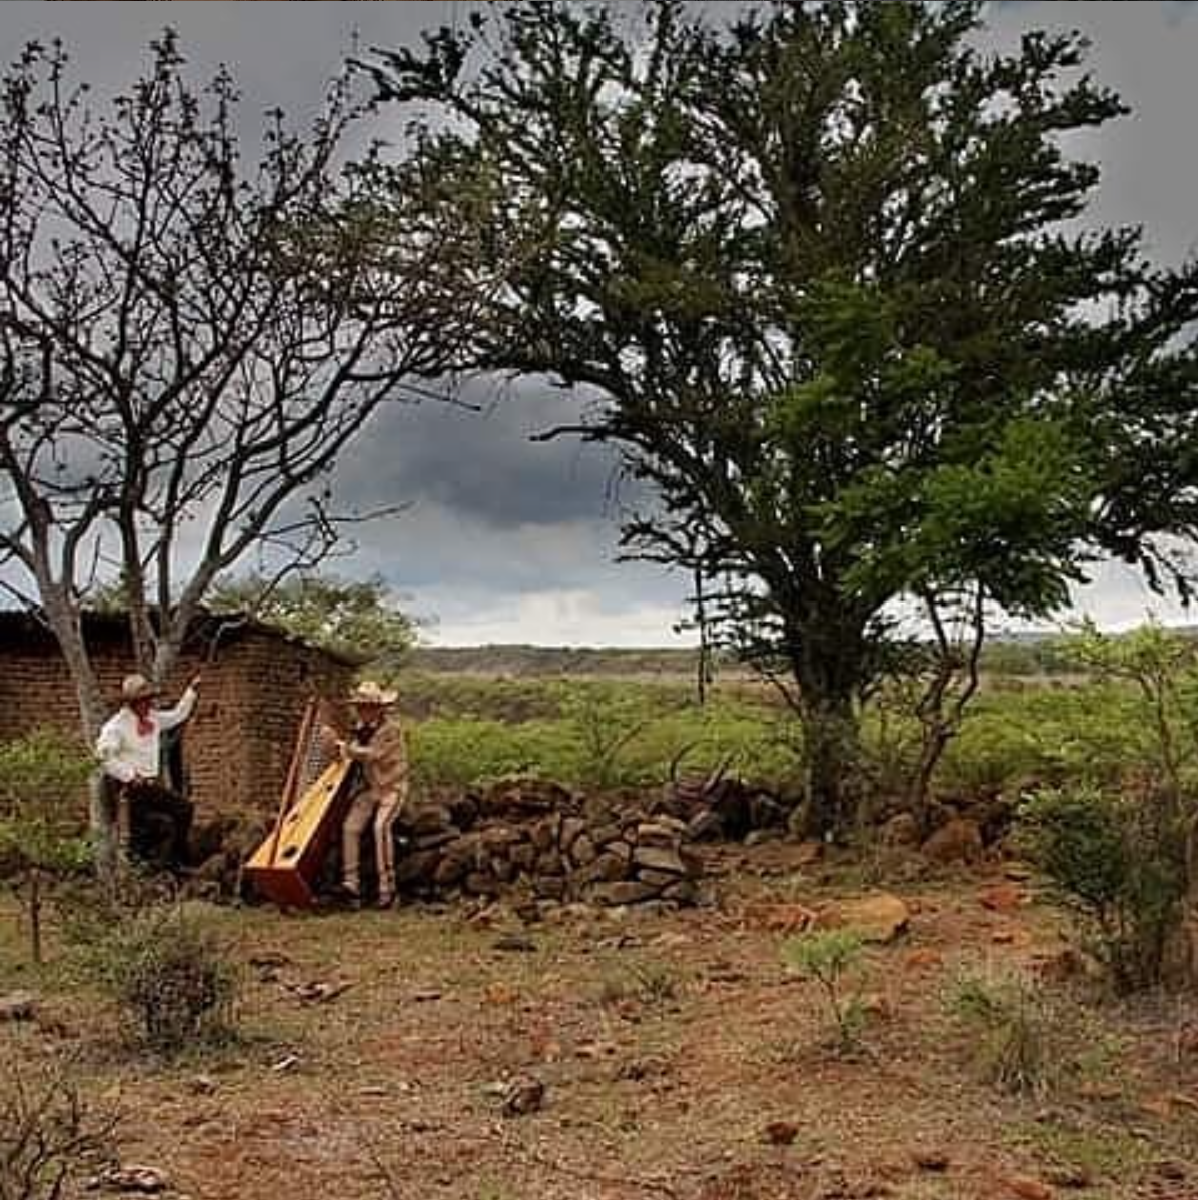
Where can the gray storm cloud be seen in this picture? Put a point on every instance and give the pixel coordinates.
(510, 540)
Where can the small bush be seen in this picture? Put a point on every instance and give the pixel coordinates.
(649, 983)
(48, 1137)
(829, 959)
(42, 836)
(169, 974)
(1119, 862)
(1022, 1039)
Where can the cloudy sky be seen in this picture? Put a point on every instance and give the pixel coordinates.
(507, 540)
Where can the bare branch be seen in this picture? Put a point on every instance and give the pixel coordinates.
(190, 338)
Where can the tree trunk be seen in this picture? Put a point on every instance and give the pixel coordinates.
(703, 673)
(827, 659)
(35, 914)
(953, 684)
(65, 622)
(831, 738)
(934, 743)
(1190, 902)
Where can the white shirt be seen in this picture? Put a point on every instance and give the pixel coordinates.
(126, 753)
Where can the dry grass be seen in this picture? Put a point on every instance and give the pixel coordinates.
(667, 1046)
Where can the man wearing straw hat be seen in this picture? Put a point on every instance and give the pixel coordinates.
(377, 745)
(130, 751)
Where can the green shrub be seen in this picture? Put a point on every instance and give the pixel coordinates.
(602, 726)
(42, 776)
(595, 734)
(829, 959)
(168, 973)
(1021, 1038)
(1119, 862)
(1092, 733)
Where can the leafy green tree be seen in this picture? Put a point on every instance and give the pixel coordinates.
(41, 776)
(357, 617)
(818, 270)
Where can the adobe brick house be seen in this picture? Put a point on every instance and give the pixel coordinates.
(238, 742)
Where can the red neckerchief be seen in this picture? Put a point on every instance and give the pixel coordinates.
(145, 725)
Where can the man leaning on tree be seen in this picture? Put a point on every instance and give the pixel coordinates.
(130, 751)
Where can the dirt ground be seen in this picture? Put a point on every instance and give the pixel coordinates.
(676, 1051)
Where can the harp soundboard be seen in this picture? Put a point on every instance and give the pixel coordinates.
(286, 867)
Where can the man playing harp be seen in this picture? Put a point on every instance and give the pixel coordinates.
(378, 750)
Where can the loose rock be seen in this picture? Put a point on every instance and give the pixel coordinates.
(781, 1133)
(518, 942)
(1170, 1170)
(1070, 1177)
(522, 1096)
(146, 1181)
(879, 918)
(1002, 897)
(18, 1006)
(929, 1159)
(959, 840)
(1029, 1189)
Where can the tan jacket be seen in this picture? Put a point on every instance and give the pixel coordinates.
(384, 759)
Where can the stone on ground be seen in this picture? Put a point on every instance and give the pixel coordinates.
(878, 918)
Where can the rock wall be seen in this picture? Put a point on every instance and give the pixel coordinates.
(538, 838)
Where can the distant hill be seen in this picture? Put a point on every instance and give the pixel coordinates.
(541, 661)
(1017, 653)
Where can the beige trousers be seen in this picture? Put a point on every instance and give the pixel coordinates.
(368, 807)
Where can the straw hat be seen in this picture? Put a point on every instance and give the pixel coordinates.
(137, 687)
(369, 692)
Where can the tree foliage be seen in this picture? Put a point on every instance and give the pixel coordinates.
(821, 272)
(1162, 664)
(355, 617)
(40, 777)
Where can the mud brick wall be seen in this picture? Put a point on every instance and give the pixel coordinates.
(239, 741)
(258, 705)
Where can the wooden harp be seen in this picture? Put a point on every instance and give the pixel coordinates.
(286, 867)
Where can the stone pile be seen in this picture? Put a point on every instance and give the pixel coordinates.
(723, 808)
(535, 837)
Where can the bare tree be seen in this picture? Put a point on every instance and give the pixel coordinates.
(950, 675)
(49, 1136)
(190, 336)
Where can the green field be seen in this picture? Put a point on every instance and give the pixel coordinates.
(469, 728)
